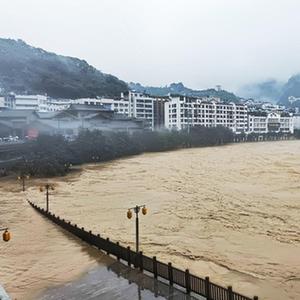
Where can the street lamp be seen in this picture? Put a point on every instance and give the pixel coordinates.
(95, 158)
(68, 166)
(136, 209)
(6, 234)
(47, 187)
(23, 177)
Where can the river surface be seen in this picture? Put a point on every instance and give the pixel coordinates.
(230, 212)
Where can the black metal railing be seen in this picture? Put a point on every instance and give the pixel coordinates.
(184, 279)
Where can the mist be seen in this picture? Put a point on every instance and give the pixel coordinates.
(200, 43)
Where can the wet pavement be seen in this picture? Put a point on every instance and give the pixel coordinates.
(116, 281)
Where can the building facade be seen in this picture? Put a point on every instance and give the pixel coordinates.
(183, 112)
(67, 122)
(296, 119)
(2, 102)
(140, 106)
(159, 112)
(270, 123)
(31, 102)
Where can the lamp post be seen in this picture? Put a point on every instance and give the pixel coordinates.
(47, 187)
(68, 166)
(137, 209)
(23, 177)
(96, 158)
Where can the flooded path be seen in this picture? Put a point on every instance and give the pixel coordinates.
(231, 213)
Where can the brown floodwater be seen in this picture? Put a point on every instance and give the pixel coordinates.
(231, 213)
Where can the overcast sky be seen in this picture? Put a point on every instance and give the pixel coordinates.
(199, 42)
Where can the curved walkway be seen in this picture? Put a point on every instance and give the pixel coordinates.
(115, 281)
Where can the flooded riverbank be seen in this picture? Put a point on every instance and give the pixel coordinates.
(230, 212)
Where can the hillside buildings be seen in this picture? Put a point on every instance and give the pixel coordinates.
(172, 112)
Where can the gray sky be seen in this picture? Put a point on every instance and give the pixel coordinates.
(199, 42)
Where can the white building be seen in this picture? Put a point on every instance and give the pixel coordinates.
(131, 104)
(35, 102)
(119, 105)
(183, 112)
(296, 119)
(57, 105)
(2, 102)
(271, 122)
(140, 106)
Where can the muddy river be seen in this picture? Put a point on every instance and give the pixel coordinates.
(231, 213)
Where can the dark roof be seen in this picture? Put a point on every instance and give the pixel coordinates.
(89, 107)
(47, 115)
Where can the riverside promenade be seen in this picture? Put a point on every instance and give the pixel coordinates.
(118, 282)
(165, 273)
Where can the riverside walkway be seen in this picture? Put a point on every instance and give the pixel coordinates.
(165, 273)
(116, 281)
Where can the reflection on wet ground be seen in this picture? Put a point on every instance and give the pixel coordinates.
(118, 282)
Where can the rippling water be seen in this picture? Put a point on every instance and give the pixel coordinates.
(232, 213)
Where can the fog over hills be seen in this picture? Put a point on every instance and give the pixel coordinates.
(180, 89)
(274, 91)
(25, 69)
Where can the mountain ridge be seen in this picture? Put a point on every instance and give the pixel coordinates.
(180, 89)
(27, 69)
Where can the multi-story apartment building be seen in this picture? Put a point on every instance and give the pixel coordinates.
(7, 101)
(130, 104)
(140, 106)
(159, 112)
(262, 122)
(32, 102)
(57, 105)
(2, 102)
(296, 119)
(183, 112)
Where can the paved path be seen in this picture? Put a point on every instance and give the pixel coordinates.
(115, 281)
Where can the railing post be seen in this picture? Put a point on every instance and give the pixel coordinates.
(128, 256)
(155, 267)
(170, 273)
(255, 298)
(187, 281)
(207, 288)
(141, 260)
(98, 236)
(230, 294)
(107, 240)
(118, 250)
